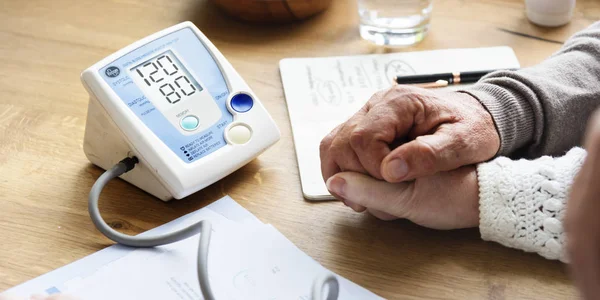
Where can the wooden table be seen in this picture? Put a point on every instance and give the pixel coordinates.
(45, 177)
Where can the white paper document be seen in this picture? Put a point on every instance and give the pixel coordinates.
(322, 93)
(247, 260)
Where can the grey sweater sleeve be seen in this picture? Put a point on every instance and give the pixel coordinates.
(543, 109)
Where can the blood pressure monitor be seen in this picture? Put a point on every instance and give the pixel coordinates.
(174, 102)
(170, 115)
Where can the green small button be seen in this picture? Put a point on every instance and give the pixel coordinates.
(190, 122)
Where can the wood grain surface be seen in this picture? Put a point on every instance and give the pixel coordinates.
(45, 177)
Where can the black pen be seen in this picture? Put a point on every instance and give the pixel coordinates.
(443, 79)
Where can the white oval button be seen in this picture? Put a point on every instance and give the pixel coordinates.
(239, 134)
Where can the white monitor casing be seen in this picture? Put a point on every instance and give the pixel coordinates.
(113, 131)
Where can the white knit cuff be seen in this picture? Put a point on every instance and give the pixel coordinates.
(522, 203)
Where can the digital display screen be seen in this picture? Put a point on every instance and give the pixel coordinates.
(165, 81)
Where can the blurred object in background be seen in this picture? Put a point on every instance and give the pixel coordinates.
(550, 13)
(272, 11)
(394, 22)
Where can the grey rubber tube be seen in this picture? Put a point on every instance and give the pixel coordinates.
(326, 280)
(203, 227)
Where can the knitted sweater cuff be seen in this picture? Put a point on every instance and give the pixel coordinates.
(522, 203)
(512, 115)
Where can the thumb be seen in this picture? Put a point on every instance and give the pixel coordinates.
(363, 191)
(424, 156)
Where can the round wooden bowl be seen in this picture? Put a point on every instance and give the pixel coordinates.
(272, 11)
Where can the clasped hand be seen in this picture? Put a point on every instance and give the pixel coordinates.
(408, 153)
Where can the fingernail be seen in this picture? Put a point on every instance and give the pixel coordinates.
(337, 185)
(397, 169)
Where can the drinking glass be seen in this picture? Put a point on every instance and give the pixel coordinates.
(394, 22)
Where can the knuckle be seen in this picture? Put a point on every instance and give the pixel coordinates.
(358, 136)
(403, 99)
(375, 99)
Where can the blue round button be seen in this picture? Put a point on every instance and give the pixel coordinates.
(241, 102)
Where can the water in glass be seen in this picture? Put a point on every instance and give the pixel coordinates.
(394, 22)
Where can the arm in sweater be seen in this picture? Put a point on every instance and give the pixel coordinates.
(522, 202)
(543, 109)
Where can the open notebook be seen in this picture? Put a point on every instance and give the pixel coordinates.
(323, 92)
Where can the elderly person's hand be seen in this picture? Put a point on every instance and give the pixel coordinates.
(446, 200)
(436, 131)
(582, 220)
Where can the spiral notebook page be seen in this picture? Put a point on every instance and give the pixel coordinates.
(323, 92)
